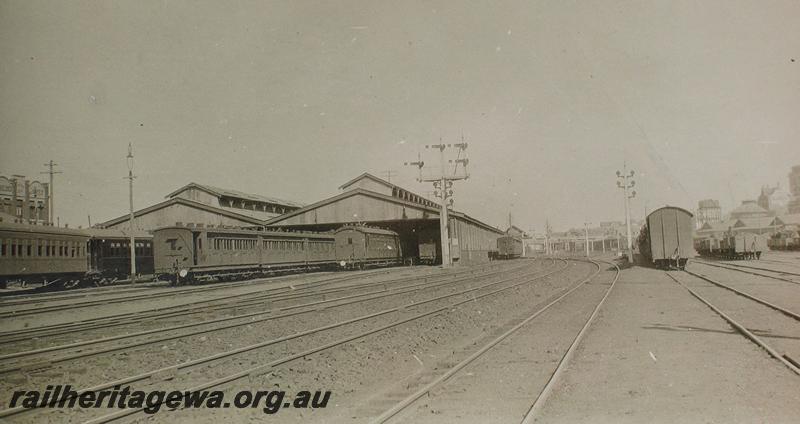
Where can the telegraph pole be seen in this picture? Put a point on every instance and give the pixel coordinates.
(130, 178)
(625, 181)
(547, 231)
(586, 234)
(389, 174)
(443, 189)
(50, 203)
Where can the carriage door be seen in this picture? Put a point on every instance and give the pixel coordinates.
(198, 246)
(93, 257)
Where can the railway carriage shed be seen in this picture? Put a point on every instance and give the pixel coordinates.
(200, 204)
(373, 201)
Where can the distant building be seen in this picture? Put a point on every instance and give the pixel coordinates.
(794, 189)
(774, 199)
(708, 211)
(749, 209)
(24, 201)
(516, 232)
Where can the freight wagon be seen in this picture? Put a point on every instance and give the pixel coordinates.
(732, 247)
(666, 238)
(509, 247)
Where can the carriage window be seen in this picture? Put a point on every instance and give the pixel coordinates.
(28, 247)
(350, 239)
(2, 247)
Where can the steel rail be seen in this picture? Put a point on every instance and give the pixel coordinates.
(782, 310)
(109, 290)
(794, 264)
(202, 307)
(350, 299)
(167, 293)
(258, 370)
(537, 405)
(28, 298)
(740, 328)
(265, 368)
(749, 272)
(412, 398)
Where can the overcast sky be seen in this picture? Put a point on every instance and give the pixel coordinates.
(293, 98)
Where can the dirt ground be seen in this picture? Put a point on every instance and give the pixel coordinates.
(657, 355)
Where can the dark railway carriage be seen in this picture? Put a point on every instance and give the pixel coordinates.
(204, 253)
(428, 252)
(666, 237)
(196, 253)
(63, 257)
(36, 253)
(785, 240)
(733, 247)
(509, 247)
(110, 253)
(358, 246)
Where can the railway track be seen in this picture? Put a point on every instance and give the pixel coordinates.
(153, 293)
(774, 328)
(744, 269)
(366, 325)
(219, 304)
(242, 320)
(404, 405)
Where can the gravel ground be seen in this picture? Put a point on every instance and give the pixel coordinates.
(780, 293)
(500, 386)
(357, 370)
(657, 355)
(106, 368)
(777, 330)
(117, 365)
(231, 308)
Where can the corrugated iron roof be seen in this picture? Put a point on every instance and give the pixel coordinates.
(218, 191)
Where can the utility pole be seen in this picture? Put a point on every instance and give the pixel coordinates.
(586, 234)
(389, 174)
(443, 189)
(547, 231)
(625, 181)
(50, 203)
(130, 178)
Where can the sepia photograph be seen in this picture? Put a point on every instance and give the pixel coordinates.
(416, 211)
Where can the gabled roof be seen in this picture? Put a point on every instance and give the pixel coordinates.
(369, 176)
(719, 227)
(345, 195)
(224, 192)
(185, 202)
(515, 229)
(361, 191)
(758, 222)
(749, 207)
(384, 183)
(790, 219)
